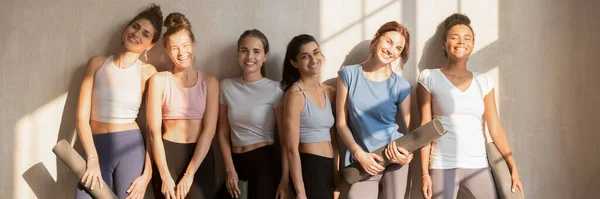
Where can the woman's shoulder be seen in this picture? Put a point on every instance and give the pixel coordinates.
(95, 62)
(351, 68)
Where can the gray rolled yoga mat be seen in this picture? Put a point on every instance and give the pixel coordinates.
(410, 141)
(77, 165)
(502, 177)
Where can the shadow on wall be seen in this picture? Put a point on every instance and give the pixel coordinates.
(38, 177)
(357, 55)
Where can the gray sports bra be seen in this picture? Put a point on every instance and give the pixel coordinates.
(315, 122)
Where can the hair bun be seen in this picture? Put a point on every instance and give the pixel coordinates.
(176, 19)
(156, 9)
(455, 19)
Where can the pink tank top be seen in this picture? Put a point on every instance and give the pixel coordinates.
(184, 103)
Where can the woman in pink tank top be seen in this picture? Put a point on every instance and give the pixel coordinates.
(109, 100)
(186, 102)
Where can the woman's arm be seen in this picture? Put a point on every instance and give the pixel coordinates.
(208, 127)
(366, 160)
(154, 121)
(282, 189)
(331, 91)
(292, 108)
(92, 174)
(424, 103)
(138, 186)
(498, 135)
(225, 146)
(147, 72)
(404, 113)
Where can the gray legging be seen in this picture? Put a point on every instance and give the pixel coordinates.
(393, 181)
(121, 156)
(479, 183)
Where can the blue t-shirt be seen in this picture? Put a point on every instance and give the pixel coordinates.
(372, 108)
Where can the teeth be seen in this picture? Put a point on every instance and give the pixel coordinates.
(183, 58)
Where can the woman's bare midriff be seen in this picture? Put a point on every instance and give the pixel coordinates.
(317, 148)
(103, 127)
(182, 130)
(244, 149)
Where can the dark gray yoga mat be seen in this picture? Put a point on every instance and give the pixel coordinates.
(502, 177)
(410, 141)
(77, 165)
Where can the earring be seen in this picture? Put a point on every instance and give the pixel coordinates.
(146, 55)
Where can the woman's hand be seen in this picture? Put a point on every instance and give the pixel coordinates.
(398, 155)
(368, 161)
(92, 175)
(168, 188)
(282, 190)
(516, 182)
(137, 189)
(232, 184)
(183, 187)
(426, 187)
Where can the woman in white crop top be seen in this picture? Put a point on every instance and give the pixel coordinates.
(184, 102)
(110, 96)
(463, 101)
(249, 111)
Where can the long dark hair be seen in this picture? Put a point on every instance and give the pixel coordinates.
(290, 73)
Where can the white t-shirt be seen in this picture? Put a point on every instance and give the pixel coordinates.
(463, 146)
(250, 109)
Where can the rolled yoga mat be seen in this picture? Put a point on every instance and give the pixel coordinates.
(77, 165)
(410, 141)
(502, 177)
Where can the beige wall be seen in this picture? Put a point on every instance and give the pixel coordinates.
(539, 51)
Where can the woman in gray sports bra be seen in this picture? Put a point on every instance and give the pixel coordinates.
(308, 121)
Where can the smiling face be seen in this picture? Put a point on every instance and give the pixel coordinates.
(180, 49)
(137, 37)
(388, 47)
(459, 42)
(251, 54)
(309, 59)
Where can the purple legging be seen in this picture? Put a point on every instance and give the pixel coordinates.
(121, 156)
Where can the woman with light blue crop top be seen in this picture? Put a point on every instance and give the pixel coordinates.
(373, 109)
(463, 101)
(307, 121)
(109, 101)
(250, 109)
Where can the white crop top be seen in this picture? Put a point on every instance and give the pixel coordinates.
(250, 109)
(117, 93)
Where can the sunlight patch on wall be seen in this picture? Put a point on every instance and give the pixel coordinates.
(35, 136)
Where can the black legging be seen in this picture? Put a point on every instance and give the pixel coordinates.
(261, 168)
(178, 157)
(317, 174)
